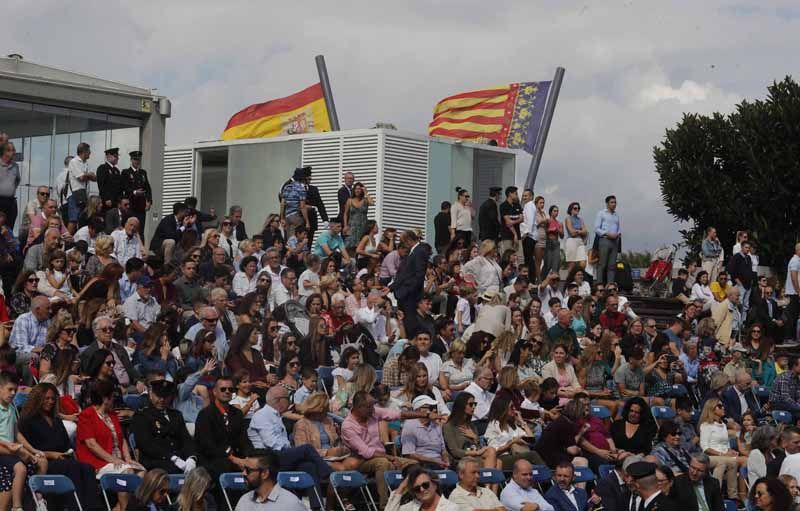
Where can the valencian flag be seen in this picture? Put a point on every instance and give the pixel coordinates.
(303, 112)
(511, 115)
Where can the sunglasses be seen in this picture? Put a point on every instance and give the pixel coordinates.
(755, 331)
(294, 364)
(226, 389)
(210, 320)
(420, 487)
(226, 223)
(110, 363)
(45, 194)
(106, 329)
(33, 281)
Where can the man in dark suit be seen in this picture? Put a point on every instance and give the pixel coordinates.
(613, 488)
(235, 213)
(765, 313)
(160, 432)
(410, 279)
(116, 217)
(345, 192)
(441, 228)
(315, 204)
(169, 231)
(688, 487)
(732, 397)
(109, 179)
(488, 216)
(221, 433)
(563, 496)
(740, 268)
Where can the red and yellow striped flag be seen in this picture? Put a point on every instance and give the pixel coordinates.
(509, 114)
(303, 112)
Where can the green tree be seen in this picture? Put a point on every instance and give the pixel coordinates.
(637, 259)
(737, 172)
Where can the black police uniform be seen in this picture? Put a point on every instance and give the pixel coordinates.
(109, 181)
(137, 188)
(160, 435)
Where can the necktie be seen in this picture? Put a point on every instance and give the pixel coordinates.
(702, 505)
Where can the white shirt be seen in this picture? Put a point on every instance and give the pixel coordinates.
(462, 306)
(275, 276)
(549, 319)
(125, 247)
(495, 437)
(570, 493)
(242, 285)
(61, 182)
(374, 321)
(434, 364)
(742, 401)
(528, 225)
(550, 292)
(700, 292)
(794, 265)
(584, 289)
(312, 278)
(791, 465)
(483, 400)
(714, 436)
(280, 294)
(77, 168)
(231, 249)
(83, 234)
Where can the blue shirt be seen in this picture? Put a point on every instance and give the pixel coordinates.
(293, 193)
(28, 333)
(266, 430)
(126, 288)
(333, 241)
(513, 495)
(222, 340)
(301, 394)
(607, 223)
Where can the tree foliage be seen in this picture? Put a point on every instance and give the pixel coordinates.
(738, 172)
(637, 259)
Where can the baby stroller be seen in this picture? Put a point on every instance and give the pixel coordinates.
(656, 280)
(295, 316)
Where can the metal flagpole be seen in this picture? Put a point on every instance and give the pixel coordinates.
(549, 109)
(326, 91)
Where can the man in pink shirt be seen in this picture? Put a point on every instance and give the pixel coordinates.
(360, 432)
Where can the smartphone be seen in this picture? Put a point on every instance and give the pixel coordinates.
(273, 370)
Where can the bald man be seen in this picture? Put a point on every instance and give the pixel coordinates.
(37, 256)
(519, 494)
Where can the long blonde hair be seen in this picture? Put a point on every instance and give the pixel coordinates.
(206, 236)
(194, 488)
(707, 416)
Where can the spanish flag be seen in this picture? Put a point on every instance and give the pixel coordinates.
(510, 115)
(303, 112)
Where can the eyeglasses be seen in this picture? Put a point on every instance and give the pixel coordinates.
(294, 364)
(110, 363)
(210, 320)
(44, 194)
(33, 280)
(226, 389)
(420, 487)
(756, 331)
(106, 329)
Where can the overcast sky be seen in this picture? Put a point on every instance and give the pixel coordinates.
(632, 69)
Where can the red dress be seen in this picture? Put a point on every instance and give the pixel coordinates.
(90, 425)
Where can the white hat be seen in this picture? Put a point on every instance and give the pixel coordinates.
(421, 401)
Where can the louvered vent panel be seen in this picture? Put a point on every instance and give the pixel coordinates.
(324, 155)
(178, 178)
(405, 183)
(360, 156)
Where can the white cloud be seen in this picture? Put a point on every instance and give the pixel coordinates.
(633, 68)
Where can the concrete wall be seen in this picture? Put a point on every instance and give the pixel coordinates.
(255, 175)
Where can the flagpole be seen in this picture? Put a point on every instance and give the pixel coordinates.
(322, 69)
(549, 109)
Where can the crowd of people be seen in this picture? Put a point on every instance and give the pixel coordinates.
(324, 344)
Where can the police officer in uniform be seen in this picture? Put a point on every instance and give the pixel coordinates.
(489, 216)
(160, 432)
(648, 496)
(109, 179)
(137, 188)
